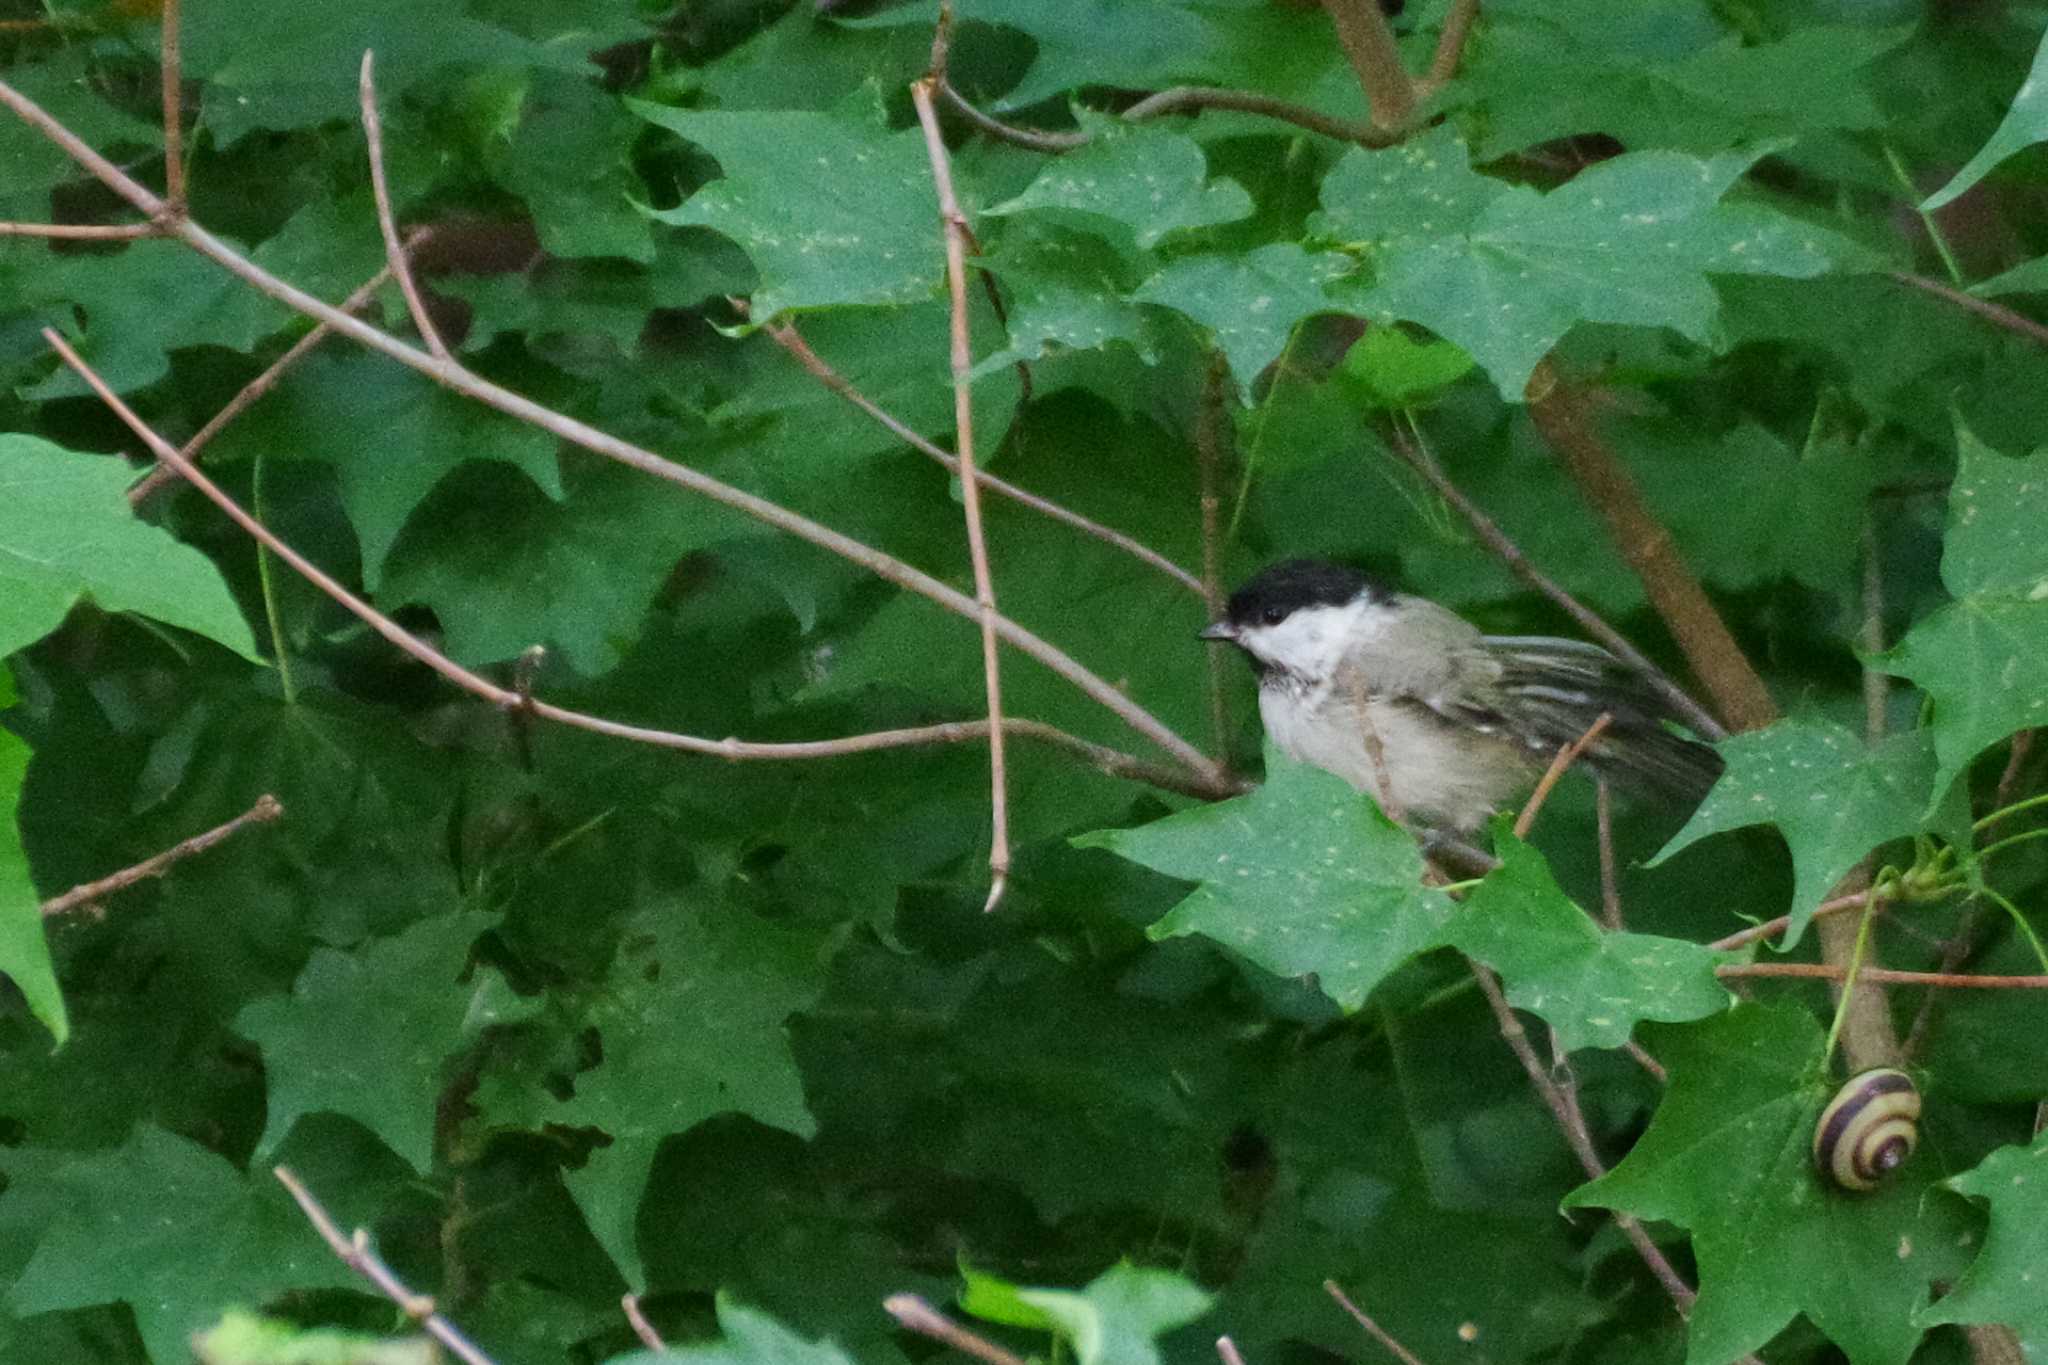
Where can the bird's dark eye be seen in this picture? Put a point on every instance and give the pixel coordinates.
(1273, 615)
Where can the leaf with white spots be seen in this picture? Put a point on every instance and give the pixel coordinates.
(1251, 301)
(831, 209)
(2025, 123)
(1728, 1157)
(1066, 292)
(1833, 797)
(1505, 271)
(1143, 182)
(1591, 987)
(1304, 877)
(2008, 1282)
(1984, 657)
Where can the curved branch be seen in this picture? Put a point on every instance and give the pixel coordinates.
(1113, 762)
(1184, 97)
(611, 447)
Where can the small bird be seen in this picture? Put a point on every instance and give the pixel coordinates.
(1405, 699)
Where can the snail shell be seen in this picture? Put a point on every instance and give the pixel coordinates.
(1868, 1129)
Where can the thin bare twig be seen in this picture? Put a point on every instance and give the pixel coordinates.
(886, 567)
(1227, 1351)
(1566, 756)
(1377, 1332)
(1565, 418)
(629, 1304)
(394, 250)
(265, 810)
(1648, 1063)
(1181, 98)
(1603, 830)
(1368, 44)
(1571, 1122)
(954, 226)
(1450, 40)
(82, 232)
(1209, 426)
(1495, 539)
(920, 1317)
(174, 116)
(1108, 760)
(785, 334)
(164, 475)
(1175, 100)
(355, 1253)
(1827, 971)
(1998, 313)
(1035, 139)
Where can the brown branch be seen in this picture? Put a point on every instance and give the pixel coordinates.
(82, 232)
(953, 225)
(2016, 323)
(163, 475)
(1566, 756)
(1181, 98)
(394, 250)
(264, 811)
(1034, 139)
(1826, 971)
(1368, 44)
(354, 1252)
(1610, 879)
(1571, 1122)
(1377, 1332)
(920, 1317)
(174, 115)
(524, 409)
(1209, 429)
(629, 1304)
(1450, 40)
(785, 334)
(1564, 416)
(1519, 564)
(1110, 761)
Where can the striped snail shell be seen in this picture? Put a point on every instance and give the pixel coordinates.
(1868, 1129)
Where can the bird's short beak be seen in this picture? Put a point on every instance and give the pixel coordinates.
(1217, 630)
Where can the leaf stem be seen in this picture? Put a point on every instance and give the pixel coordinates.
(272, 615)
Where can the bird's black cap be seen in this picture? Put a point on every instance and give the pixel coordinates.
(1279, 590)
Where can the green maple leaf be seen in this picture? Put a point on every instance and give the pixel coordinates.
(1302, 877)
(2003, 1285)
(67, 534)
(24, 952)
(364, 1032)
(137, 305)
(2025, 123)
(1504, 271)
(1142, 182)
(692, 1023)
(1116, 1317)
(505, 567)
(246, 1339)
(390, 436)
(831, 209)
(1728, 1157)
(1249, 302)
(176, 1232)
(1591, 987)
(1984, 657)
(1833, 797)
(1068, 290)
(747, 1337)
(1579, 68)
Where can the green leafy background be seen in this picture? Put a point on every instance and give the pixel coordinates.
(555, 1017)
